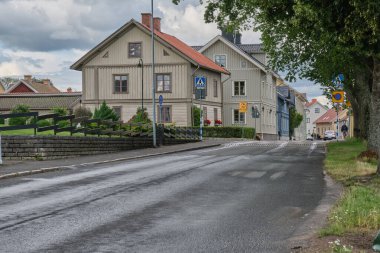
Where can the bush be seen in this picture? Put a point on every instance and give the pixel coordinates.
(2, 121)
(105, 113)
(141, 117)
(82, 112)
(43, 123)
(20, 120)
(196, 116)
(60, 111)
(229, 132)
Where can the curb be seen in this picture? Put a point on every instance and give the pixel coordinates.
(58, 168)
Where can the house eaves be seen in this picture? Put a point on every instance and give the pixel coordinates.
(21, 82)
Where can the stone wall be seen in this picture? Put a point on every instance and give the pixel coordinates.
(55, 147)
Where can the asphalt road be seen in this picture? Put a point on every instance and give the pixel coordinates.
(241, 197)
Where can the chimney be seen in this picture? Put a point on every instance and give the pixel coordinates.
(145, 19)
(46, 82)
(69, 90)
(28, 78)
(314, 100)
(157, 24)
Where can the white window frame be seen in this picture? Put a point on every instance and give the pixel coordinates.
(219, 55)
(233, 118)
(245, 88)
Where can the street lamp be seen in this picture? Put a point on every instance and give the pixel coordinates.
(141, 65)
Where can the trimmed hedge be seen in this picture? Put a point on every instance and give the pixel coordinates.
(229, 132)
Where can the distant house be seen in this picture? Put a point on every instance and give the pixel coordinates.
(251, 81)
(29, 85)
(40, 102)
(2, 87)
(313, 112)
(329, 119)
(285, 100)
(112, 72)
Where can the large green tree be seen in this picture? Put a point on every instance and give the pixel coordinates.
(317, 39)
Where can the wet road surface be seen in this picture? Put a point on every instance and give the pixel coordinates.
(240, 197)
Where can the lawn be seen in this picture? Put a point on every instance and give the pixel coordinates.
(358, 211)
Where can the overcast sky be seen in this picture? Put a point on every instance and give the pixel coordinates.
(44, 37)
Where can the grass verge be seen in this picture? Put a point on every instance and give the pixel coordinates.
(358, 211)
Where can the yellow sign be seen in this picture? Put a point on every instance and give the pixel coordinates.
(348, 103)
(338, 96)
(243, 106)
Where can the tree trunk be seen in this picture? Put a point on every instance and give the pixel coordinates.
(374, 140)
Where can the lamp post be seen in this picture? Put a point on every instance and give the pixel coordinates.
(141, 65)
(153, 80)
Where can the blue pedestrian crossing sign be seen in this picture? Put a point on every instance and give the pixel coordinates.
(200, 82)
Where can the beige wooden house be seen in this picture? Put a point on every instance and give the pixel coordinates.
(111, 72)
(250, 81)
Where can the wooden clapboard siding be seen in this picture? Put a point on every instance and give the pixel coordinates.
(118, 51)
(260, 89)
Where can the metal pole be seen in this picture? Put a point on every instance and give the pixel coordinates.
(201, 117)
(1, 155)
(153, 80)
(337, 122)
(142, 84)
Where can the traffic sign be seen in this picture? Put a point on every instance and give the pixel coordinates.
(160, 100)
(338, 96)
(348, 103)
(255, 112)
(200, 82)
(243, 106)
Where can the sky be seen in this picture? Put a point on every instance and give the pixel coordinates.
(44, 37)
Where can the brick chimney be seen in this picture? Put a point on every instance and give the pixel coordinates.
(157, 24)
(145, 19)
(28, 78)
(46, 82)
(69, 90)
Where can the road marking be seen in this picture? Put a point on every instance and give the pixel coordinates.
(277, 175)
(255, 174)
(312, 148)
(235, 173)
(281, 146)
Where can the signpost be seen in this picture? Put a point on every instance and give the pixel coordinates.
(200, 84)
(255, 115)
(338, 98)
(243, 106)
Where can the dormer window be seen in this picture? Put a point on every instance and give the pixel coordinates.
(221, 60)
(134, 50)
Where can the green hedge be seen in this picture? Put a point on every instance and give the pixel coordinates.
(229, 132)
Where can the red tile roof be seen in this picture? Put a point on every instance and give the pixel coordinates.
(199, 58)
(330, 116)
(313, 101)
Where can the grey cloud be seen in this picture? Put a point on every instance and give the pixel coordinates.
(34, 27)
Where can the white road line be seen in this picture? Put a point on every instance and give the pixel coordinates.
(255, 174)
(312, 148)
(277, 175)
(281, 146)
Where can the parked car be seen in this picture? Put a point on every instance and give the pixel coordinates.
(309, 137)
(329, 135)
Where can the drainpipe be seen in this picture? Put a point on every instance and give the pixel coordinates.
(222, 94)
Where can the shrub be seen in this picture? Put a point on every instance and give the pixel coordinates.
(43, 123)
(207, 122)
(60, 111)
(105, 113)
(141, 117)
(196, 116)
(20, 120)
(82, 112)
(229, 132)
(2, 121)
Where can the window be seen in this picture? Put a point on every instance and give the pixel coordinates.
(239, 117)
(243, 64)
(221, 60)
(239, 88)
(120, 83)
(204, 113)
(307, 120)
(215, 88)
(166, 114)
(317, 110)
(166, 53)
(215, 114)
(163, 83)
(134, 49)
(117, 110)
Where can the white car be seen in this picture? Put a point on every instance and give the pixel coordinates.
(329, 135)
(309, 137)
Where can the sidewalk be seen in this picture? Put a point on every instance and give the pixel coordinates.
(12, 168)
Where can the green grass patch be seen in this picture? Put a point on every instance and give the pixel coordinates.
(359, 208)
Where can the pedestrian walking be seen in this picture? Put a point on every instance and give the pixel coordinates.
(344, 130)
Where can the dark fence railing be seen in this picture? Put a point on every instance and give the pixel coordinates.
(98, 127)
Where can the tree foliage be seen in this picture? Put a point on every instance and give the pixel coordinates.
(196, 116)
(105, 113)
(82, 112)
(295, 120)
(141, 116)
(20, 120)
